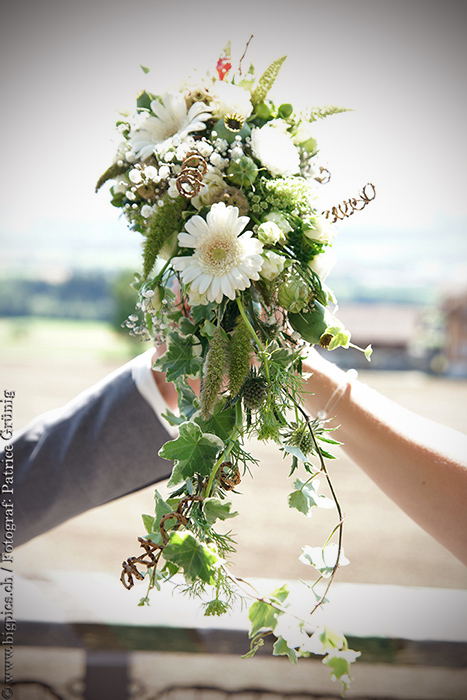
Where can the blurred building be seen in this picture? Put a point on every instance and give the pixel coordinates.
(455, 319)
(403, 337)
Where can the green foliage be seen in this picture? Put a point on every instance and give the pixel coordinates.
(264, 616)
(240, 351)
(312, 114)
(305, 497)
(163, 223)
(215, 509)
(193, 451)
(196, 560)
(111, 172)
(266, 81)
(213, 372)
(220, 423)
(179, 359)
(324, 559)
(281, 648)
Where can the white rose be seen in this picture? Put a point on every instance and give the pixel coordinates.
(273, 264)
(323, 263)
(280, 220)
(318, 228)
(275, 150)
(269, 232)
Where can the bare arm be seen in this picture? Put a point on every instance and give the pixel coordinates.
(419, 464)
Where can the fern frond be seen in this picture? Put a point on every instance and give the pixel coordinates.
(162, 224)
(314, 113)
(110, 173)
(266, 81)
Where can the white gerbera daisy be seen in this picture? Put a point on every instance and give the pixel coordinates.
(223, 260)
(170, 117)
(275, 150)
(228, 98)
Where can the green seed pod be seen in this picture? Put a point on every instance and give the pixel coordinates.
(239, 356)
(311, 324)
(224, 132)
(242, 172)
(254, 392)
(301, 438)
(213, 373)
(293, 294)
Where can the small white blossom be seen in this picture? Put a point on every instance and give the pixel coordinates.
(164, 171)
(146, 211)
(135, 176)
(150, 172)
(219, 162)
(204, 148)
(273, 264)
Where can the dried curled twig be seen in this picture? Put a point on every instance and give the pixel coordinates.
(190, 179)
(347, 208)
(149, 559)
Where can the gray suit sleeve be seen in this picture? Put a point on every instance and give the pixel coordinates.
(99, 447)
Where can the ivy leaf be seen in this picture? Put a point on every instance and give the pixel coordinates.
(281, 648)
(193, 451)
(306, 497)
(323, 558)
(145, 69)
(176, 477)
(187, 399)
(339, 662)
(151, 522)
(148, 522)
(196, 560)
(264, 616)
(179, 358)
(215, 509)
(220, 423)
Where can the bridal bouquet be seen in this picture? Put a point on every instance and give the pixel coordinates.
(223, 185)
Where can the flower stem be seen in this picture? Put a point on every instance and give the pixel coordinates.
(258, 342)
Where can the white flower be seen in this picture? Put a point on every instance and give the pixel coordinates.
(318, 228)
(150, 172)
(135, 176)
(146, 211)
(280, 220)
(213, 185)
(223, 260)
(323, 263)
(273, 264)
(229, 98)
(269, 232)
(170, 119)
(275, 150)
(121, 185)
(197, 299)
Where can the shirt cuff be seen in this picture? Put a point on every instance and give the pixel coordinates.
(141, 370)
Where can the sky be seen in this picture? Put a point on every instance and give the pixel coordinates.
(67, 68)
